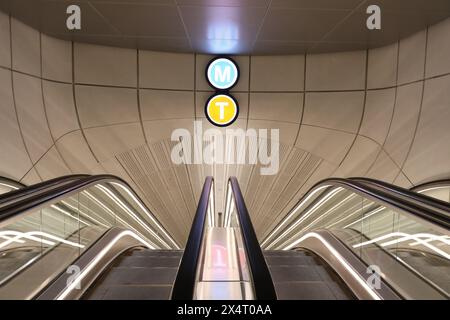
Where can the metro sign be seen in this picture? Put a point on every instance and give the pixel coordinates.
(222, 74)
(221, 110)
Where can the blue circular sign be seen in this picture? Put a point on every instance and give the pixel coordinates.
(222, 73)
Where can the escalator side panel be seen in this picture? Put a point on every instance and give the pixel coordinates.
(138, 274)
(301, 275)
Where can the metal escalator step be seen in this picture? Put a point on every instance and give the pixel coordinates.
(340, 291)
(294, 273)
(132, 292)
(303, 275)
(139, 276)
(155, 253)
(148, 261)
(326, 274)
(304, 291)
(289, 261)
(281, 253)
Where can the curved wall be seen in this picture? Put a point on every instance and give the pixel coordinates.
(80, 108)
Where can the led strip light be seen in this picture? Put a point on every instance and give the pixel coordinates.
(290, 215)
(340, 259)
(97, 259)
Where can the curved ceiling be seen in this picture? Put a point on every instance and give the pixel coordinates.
(232, 26)
(70, 107)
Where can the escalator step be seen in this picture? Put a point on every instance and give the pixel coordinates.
(155, 253)
(296, 273)
(280, 253)
(148, 261)
(289, 261)
(139, 276)
(131, 293)
(305, 291)
(303, 275)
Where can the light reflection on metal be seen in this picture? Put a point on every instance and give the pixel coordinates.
(131, 213)
(223, 274)
(150, 215)
(418, 238)
(97, 258)
(36, 236)
(9, 186)
(289, 217)
(338, 258)
(306, 215)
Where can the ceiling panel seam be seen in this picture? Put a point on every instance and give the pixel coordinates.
(263, 20)
(340, 23)
(186, 31)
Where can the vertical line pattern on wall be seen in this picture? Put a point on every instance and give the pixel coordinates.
(390, 121)
(420, 109)
(15, 107)
(362, 114)
(75, 103)
(138, 85)
(45, 109)
(304, 98)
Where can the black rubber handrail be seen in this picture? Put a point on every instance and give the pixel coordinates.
(17, 184)
(262, 280)
(184, 286)
(385, 197)
(440, 218)
(42, 198)
(430, 184)
(430, 201)
(16, 194)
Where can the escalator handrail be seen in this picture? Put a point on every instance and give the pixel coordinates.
(33, 202)
(436, 203)
(15, 194)
(94, 257)
(385, 197)
(262, 280)
(12, 182)
(431, 184)
(392, 199)
(184, 286)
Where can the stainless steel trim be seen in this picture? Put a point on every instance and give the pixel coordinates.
(61, 284)
(54, 200)
(393, 202)
(339, 263)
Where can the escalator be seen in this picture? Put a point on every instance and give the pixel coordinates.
(58, 237)
(9, 185)
(383, 241)
(92, 238)
(138, 274)
(302, 275)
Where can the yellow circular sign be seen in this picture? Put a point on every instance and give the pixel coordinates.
(221, 110)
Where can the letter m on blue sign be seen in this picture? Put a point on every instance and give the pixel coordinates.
(222, 73)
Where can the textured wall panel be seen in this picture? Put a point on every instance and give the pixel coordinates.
(352, 120)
